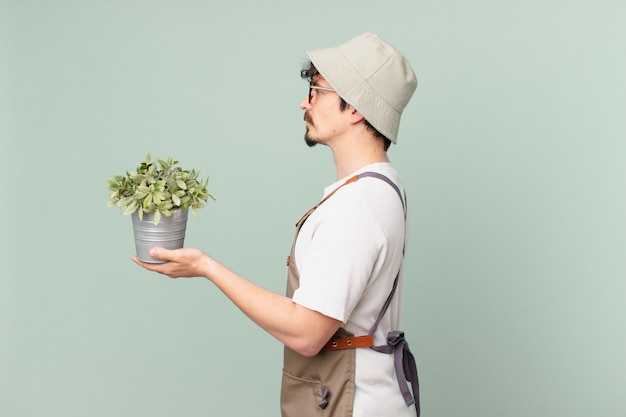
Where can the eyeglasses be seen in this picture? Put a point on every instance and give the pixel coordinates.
(315, 87)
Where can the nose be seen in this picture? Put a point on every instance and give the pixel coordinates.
(304, 104)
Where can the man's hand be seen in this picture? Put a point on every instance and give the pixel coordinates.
(186, 262)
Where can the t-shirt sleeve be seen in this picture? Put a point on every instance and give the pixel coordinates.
(338, 264)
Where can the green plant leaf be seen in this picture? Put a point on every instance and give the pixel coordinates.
(139, 195)
(124, 201)
(131, 208)
(164, 165)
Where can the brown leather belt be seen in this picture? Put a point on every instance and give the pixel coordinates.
(349, 343)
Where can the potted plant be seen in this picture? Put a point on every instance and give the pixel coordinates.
(158, 196)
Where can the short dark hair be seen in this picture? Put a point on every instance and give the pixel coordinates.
(309, 71)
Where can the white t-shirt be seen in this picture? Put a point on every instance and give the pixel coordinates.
(348, 253)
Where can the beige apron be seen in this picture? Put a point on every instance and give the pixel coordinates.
(323, 385)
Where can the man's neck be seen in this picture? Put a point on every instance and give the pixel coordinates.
(354, 155)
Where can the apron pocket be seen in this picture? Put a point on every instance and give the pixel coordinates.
(302, 397)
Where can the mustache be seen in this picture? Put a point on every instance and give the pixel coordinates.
(307, 117)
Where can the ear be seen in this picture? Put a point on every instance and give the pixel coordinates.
(355, 116)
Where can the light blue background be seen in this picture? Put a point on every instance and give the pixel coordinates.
(512, 152)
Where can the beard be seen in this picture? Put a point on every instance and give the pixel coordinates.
(308, 139)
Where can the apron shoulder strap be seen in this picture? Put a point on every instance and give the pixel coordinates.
(404, 361)
(388, 181)
(395, 282)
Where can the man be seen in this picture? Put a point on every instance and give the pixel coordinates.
(343, 303)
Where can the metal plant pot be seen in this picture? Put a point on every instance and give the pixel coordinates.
(169, 233)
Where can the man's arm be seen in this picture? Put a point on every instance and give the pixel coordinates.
(302, 330)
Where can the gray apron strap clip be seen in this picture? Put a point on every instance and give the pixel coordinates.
(324, 403)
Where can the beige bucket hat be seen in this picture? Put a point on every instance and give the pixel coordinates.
(370, 75)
